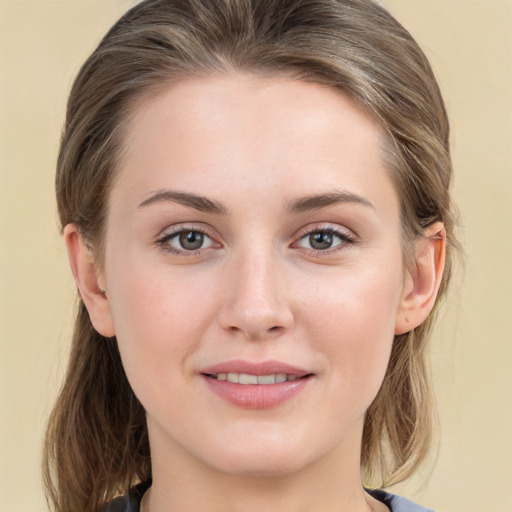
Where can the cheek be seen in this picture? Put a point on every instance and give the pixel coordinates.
(159, 316)
(353, 325)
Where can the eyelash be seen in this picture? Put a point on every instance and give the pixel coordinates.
(164, 244)
(345, 238)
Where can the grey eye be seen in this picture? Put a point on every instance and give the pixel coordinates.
(187, 242)
(321, 240)
(324, 240)
(191, 240)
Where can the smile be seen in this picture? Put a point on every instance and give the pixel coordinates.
(262, 385)
(246, 378)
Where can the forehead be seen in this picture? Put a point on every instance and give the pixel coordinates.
(245, 132)
(252, 100)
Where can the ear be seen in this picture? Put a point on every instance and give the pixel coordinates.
(89, 281)
(423, 280)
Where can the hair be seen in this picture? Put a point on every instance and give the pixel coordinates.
(97, 442)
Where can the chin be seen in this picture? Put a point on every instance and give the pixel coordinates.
(263, 460)
(274, 467)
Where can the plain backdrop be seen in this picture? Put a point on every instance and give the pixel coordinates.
(43, 43)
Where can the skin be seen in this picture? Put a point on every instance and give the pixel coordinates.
(257, 289)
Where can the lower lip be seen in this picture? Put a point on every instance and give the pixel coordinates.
(252, 396)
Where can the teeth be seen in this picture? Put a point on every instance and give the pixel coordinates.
(266, 379)
(245, 378)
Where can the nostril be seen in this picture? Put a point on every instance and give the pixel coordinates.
(276, 330)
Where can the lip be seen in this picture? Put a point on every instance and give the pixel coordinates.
(254, 396)
(255, 368)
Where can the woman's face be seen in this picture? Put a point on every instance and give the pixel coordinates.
(254, 236)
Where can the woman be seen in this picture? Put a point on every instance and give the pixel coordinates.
(254, 196)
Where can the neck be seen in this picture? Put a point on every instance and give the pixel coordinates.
(183, 484)
(249, 494)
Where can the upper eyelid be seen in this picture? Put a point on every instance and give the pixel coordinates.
(326, 227)
(176, 229)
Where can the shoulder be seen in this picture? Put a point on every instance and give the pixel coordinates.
(130, 502)
(397, 503)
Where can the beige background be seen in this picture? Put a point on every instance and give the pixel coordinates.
(42, 44)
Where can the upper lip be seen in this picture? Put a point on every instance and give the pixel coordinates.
(269, 367)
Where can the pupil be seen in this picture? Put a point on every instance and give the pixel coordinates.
(191, 240)
(322, 240)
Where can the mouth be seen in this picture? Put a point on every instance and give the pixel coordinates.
(250, 385)
(251, 379)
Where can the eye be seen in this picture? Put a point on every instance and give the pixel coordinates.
(190, 240)
(185, 240)
(322, 240)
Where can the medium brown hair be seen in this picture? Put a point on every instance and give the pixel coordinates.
(97, 442)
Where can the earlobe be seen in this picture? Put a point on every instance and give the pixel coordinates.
(423, 280)
(89, 281)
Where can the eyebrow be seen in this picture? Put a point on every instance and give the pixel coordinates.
(303, 204)
(199, 203)
(318, 201)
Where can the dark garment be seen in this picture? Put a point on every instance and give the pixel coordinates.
(131, 501)
(397, 503)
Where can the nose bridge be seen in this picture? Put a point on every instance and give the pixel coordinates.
(258, 281)
(256, 304)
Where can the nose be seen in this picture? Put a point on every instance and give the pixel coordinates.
(255, 304)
